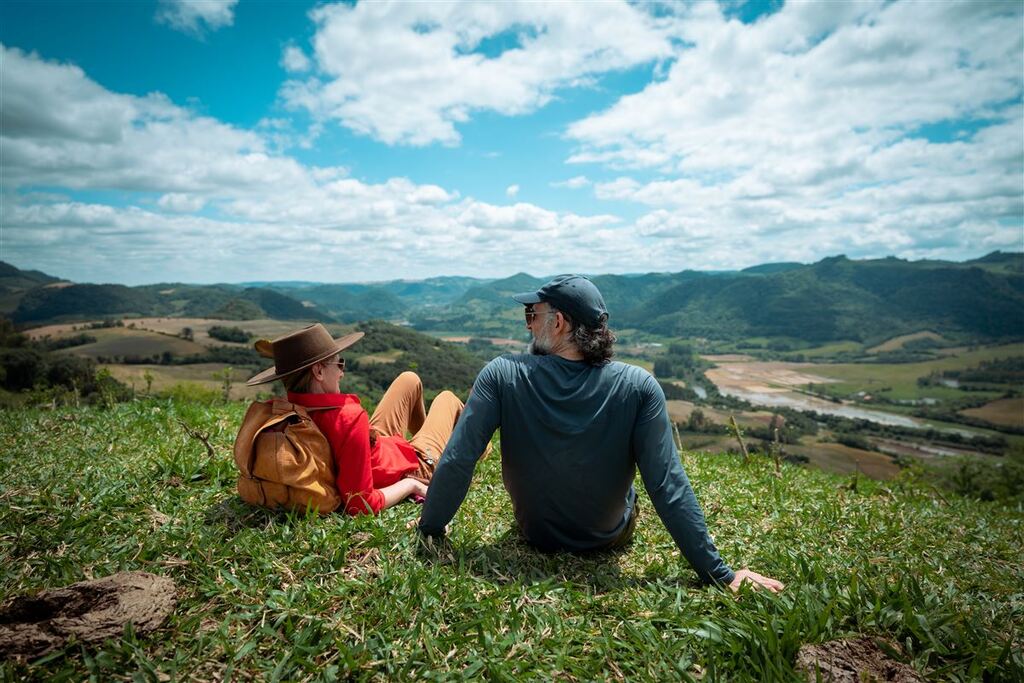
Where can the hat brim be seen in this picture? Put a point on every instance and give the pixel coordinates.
(271, 374)
(527, 298)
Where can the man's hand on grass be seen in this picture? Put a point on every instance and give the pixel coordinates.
(758, 580)
(413, 523)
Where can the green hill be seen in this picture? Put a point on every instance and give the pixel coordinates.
(14, 283)
(264, 596)
(837, 298)
(88, 301)
(834, 299)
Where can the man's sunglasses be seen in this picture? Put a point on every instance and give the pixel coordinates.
(530, 314)
(340, 363)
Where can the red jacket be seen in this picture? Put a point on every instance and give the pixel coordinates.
(361, 470)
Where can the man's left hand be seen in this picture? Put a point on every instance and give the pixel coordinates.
(758, 580)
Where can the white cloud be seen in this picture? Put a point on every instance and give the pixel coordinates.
(165, 164)
(512, 191)
(797, 136)
(181, 203)
(194, 16)
(574, 183)
(294, 60)
(408, 73)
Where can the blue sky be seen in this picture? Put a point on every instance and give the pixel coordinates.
(209, 141)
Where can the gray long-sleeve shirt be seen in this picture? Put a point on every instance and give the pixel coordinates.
(572, 437)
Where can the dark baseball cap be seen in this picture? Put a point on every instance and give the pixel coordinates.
(574, 295)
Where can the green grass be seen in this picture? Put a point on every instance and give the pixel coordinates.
(286, 597)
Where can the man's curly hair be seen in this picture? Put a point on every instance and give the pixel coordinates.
(595, 343)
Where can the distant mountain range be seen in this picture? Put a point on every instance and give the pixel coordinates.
(836, 298)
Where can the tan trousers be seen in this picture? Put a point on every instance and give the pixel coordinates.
(401, 410)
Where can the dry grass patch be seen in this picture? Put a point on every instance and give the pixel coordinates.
(897, 343)
(1005, 412)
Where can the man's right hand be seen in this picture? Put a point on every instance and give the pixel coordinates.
(758, 580)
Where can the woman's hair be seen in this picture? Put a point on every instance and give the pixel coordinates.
(595, 343)
(298, 382)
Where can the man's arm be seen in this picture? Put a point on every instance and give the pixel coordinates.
(454, 471)
(669, 487)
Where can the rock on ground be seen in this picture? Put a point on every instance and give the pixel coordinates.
(857, 660)
(86, 612)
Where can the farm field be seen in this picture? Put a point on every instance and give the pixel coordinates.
(901, 378)
(897, 343)
(893, 381)
(1007, 412)
(123, 341)
(835, 457)
(166, 377)
(172, 327)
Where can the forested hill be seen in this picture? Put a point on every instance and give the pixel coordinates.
(842, 299)
(836, 298)
(67, 301)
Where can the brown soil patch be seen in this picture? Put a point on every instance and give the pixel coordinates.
(852, 661)
(763, 376)
(679, 412)
(86, 612)
(728, 358)
(1005, 412)
(835, 457)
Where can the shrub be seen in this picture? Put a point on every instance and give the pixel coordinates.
(229, 334)
(23, 368)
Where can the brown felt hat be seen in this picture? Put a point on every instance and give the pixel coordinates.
(298, 350)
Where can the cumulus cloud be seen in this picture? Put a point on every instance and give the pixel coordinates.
(166, 164)
(864, 128)
(196, 16)
(512, 191)
(408, 73)
(294, 60)
(180, 203)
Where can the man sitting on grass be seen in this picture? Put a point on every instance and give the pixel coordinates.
(575, 427)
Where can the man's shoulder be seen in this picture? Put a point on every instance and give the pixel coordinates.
(634, 373)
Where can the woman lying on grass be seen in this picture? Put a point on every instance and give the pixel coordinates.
(375, 466)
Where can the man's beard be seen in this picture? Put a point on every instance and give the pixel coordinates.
(540, 345)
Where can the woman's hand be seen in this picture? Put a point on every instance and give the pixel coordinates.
(418, 488)
(402, 489)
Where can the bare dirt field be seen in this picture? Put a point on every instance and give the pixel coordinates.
(762, 376)
(1005, 412)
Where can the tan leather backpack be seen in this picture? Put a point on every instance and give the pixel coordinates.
(284, 460)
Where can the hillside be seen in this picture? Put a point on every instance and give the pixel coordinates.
(835, 299)
(278, 596)
(14, 283)
(88, 301)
